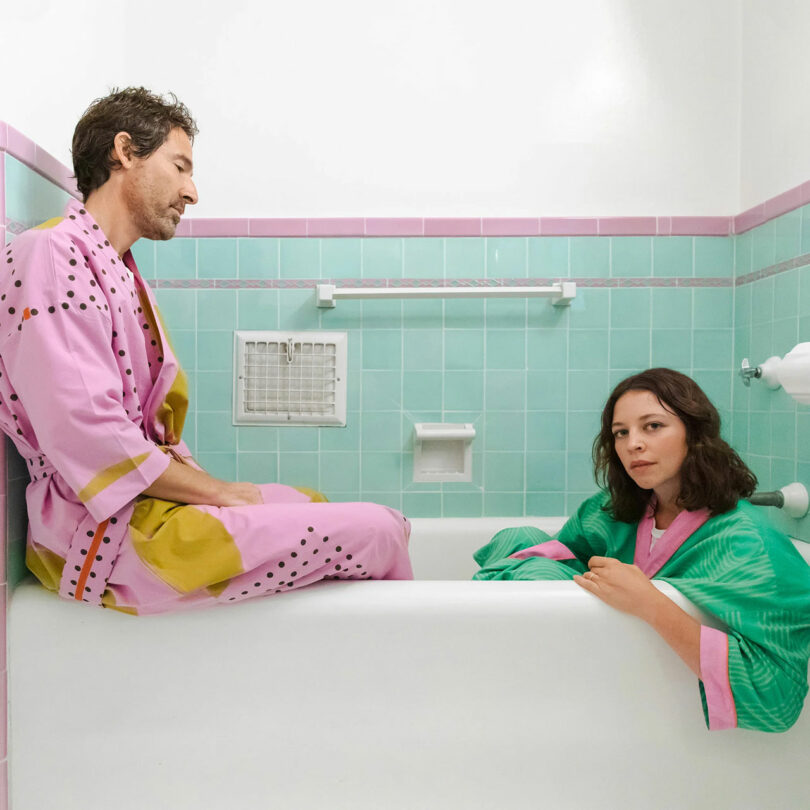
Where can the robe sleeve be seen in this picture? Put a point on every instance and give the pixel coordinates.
(63, 369)
(746, 685)
(753, 664)
(529, 553)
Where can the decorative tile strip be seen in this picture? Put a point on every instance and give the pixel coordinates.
(436, 283)
(775, 269)
(726, 281)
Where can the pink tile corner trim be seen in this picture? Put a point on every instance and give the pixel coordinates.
(53, 169)
(749, 219)
(627, 226)
(277, 227)
(352, 226)
(514, 226)
(569, 226)
(453, 226)
(784, 202)
(20, 147)
(664, 226)
(184, 228)
(3, 624)
(3, 715)
(3, 135)
(397, 226)
(4, 785)
(219, 227)
(700, 226)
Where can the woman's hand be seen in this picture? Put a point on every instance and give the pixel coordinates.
(624, 587)
(627, 588)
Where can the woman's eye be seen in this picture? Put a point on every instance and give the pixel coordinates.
(654, 425)
(619, 434)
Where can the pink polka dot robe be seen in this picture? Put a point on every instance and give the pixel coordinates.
(94, 400)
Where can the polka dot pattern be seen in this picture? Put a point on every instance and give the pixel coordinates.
(287, 571)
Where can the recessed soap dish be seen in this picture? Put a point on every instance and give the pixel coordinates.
(442, 451)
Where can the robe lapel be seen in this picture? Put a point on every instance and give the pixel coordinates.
(684, 525)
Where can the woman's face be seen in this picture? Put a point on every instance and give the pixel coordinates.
(650, 441)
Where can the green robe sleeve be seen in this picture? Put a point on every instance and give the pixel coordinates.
(589, 532)
(751, 578)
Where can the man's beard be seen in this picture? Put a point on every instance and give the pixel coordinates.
(151, 221)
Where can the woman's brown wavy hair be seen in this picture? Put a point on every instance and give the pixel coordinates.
(148, 119)
(713, 476)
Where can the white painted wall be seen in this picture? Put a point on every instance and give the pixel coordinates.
(775, 144)
(422, 108)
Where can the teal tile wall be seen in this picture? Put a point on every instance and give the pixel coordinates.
(29, 200)
(772, 315)
(531, 378)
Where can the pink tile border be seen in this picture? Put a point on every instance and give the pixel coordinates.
(4, 785)
(569, 226)
(403, 226)
(453, 226)
(277, 227)
(336, 227)
(24, 149)
(749, 219)
(20, 147)
(516, 226)
(35, 157)
(627, 226)
(700, 226)
(184, 228)
(219, 227)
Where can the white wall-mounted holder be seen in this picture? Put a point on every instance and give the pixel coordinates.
(442, 451)
(792, 372)
(561, 293)
(793, 499)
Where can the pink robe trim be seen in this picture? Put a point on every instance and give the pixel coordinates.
(714, 674)
(551, 550)
(684, 525)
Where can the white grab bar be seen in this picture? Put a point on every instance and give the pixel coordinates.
(561, 293)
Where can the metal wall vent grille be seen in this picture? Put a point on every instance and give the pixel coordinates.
(290, 378)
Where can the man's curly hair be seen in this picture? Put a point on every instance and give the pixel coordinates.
(145, 116)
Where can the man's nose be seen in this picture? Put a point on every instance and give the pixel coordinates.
(190, 193)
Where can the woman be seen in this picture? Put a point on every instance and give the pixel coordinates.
(671, 509)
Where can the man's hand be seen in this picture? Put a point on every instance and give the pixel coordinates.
(186, 484)
(240, 494)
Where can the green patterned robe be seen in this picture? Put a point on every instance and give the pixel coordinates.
(736, 567)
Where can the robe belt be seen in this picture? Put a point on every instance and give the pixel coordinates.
(169, 450)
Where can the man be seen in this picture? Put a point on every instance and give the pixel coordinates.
(94, 400)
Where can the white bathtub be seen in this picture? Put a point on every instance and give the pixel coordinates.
(377, 696)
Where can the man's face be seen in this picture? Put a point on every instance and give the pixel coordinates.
(159, 187)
